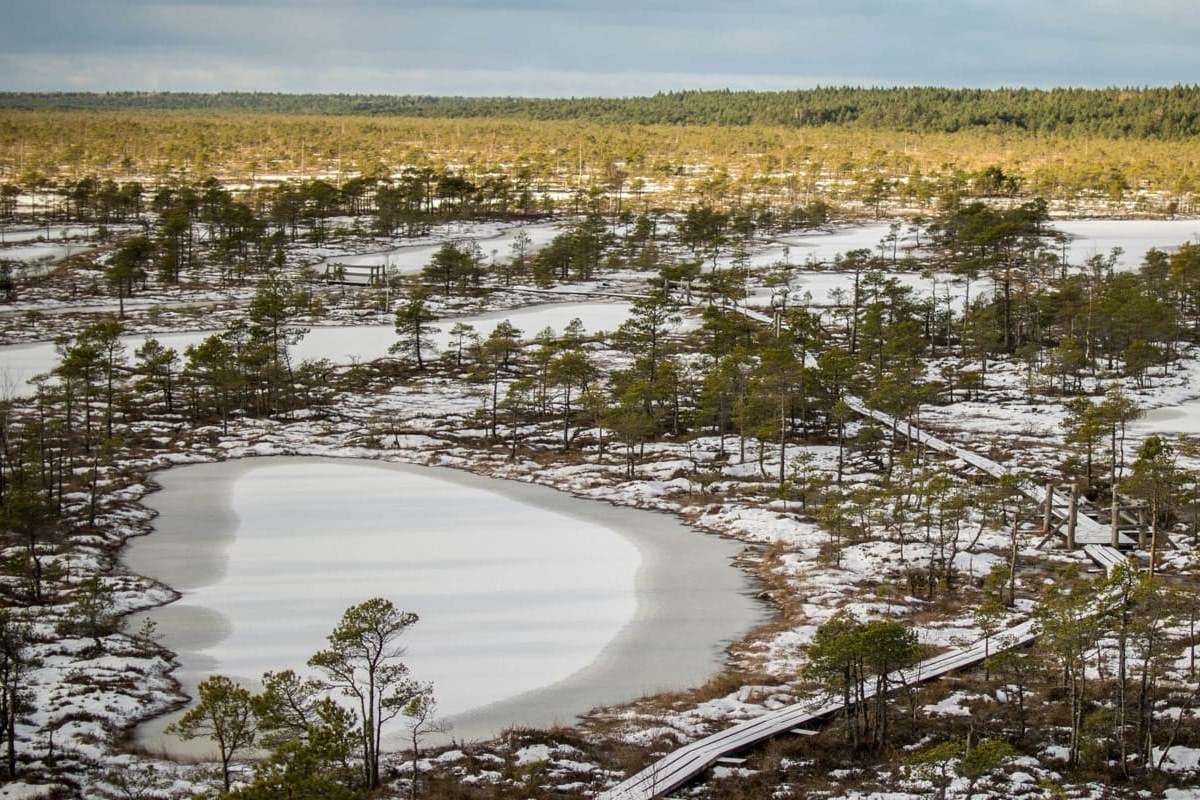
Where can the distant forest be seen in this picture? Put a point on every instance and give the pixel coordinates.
(1149, 113)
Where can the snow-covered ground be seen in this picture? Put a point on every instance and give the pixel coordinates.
(407, 256)
(37, 252)
(1004, 417)
(439, 415)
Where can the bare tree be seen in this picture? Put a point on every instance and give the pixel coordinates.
(423, 722)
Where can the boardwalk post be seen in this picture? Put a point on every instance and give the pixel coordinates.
(1072, 516)
(1048, 509)
(1012, 558)
(1115, 524)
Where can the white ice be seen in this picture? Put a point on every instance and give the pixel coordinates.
(21, 362)
(412, 258)
(518, 587)
(1135, 236)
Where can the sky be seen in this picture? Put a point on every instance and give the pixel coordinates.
(590, 47)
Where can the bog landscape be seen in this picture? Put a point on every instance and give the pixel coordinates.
(823, 443)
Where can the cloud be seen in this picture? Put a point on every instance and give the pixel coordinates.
(550, 47)
(52, 73)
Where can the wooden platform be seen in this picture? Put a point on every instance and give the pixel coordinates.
(689, 761)
(1106, 556)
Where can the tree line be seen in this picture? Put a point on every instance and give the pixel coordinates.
(1117, 112)
(674, 164)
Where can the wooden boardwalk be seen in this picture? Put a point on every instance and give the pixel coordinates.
(1088, 530)
(1106, 556)
(689, 761)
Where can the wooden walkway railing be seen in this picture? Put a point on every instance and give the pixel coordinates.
(1088, 530)
(689, 761)
(683, 765)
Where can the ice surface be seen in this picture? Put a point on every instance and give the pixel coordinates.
(535, 606)
(412, 258)
(818, 246)
(1180, 419)
(1135, 236)
(342, 345)
(51, 233)
(40, 251)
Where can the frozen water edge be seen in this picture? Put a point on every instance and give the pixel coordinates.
(519, 626)
(19, 363)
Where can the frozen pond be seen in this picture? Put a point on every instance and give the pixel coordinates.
(535, 606)
(1088, 238)
(815, 247)
(1181, 419)
(19, 363)
(1135, 236)
(41, 248)
(51, 233)
(1181, 415)
(820, 286)
(412, 258)
(37, 252)
(824, 247)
